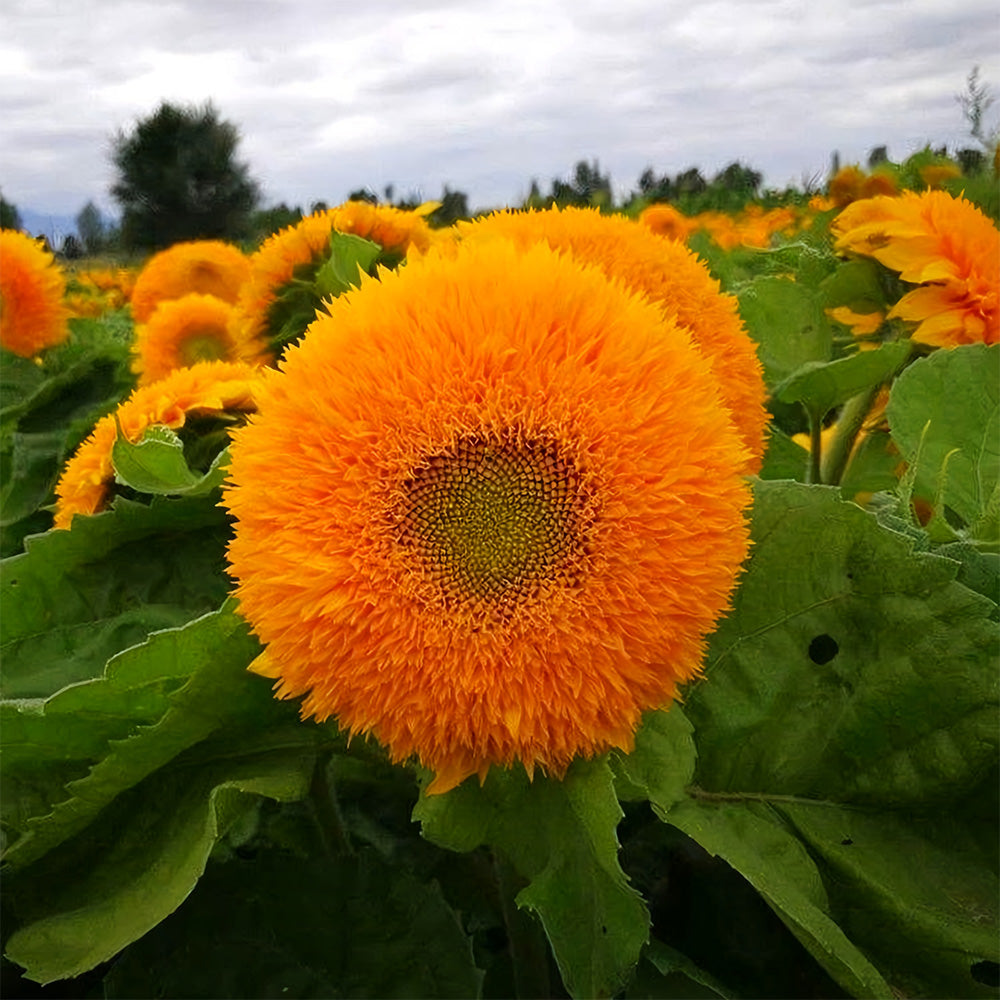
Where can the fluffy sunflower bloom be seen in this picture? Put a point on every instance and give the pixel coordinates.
(665, 220)
(295, 254)
(33, 315)
(209, 267)
(183, 332)
(215, 387)
(510, 509)
(673, 277)
(942, 244)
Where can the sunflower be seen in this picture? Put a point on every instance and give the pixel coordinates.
(33, 315)
(674, 278)
(293, 255)
(665, 220)
(487, 511)
(942, 244)
(210, 267)
(183, 332)
(210, 387)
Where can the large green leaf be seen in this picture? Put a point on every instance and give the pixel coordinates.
(788, 323)
(103, 890)
(74, 598)
(944, 414)
(921, 893)
(853, 677)
(819, 387)
(777, 865)
(850, 668)
(154, 701)
(348, 926)
(560, 835)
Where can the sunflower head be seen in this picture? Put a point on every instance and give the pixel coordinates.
(187, 331)
(206, 267)
(210, 388)
(488, 510)
(282, 294)
(673, 277)
(33, 315)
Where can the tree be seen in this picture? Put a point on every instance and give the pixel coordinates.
(975, 102)
(178, 179)
(91, 229)
(10, 217)
(454, 206)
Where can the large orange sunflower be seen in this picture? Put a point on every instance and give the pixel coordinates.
(33, 315)
(487, 511)
(209, 267)
(674, 278)
(295, 253)
(183, 332)
(943, 244)
(210, 387)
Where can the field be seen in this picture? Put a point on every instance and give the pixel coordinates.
(574, 601)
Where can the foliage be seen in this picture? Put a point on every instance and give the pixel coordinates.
(10, 218)
(178, 179)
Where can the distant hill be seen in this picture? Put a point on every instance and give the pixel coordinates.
(55, 228)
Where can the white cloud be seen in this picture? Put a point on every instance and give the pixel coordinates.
(483, 94)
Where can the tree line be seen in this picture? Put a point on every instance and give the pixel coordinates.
(178, 178)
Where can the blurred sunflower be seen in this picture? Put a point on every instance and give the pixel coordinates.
(512, 508)
(673, 277)
(183, 332)
(279, 301)
(944, 245)
(216, 387)
(209, 267)
(665, 220)
(33, 315)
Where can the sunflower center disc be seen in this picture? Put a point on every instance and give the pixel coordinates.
(203, 345)
(493, 519)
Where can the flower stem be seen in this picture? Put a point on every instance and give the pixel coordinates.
(326, 808)
(525, 938)
(815, 447)
(849, 424)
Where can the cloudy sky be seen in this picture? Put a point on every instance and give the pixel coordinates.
(483, 95)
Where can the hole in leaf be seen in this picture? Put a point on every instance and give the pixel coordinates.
(847, 841)
(823, 649)
(987, 973)
(604, 929)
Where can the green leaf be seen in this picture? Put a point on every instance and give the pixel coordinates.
(885, 663)
(281, 926)
(822, 386)
(775, 863)
(857, 284)
(676, 976)
(872, 468)
(661, 765)
(76, 597)
(191, 681)
(784, 458)
(349, 257)
(788, 323)
(919, 893)
(947, 408)
(156, 465)
(560, 835)
(86, 901)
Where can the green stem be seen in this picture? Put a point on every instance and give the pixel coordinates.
(529, 953)
(815, 447)
(849, 424)
(326, 809)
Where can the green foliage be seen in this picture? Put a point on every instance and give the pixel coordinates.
(178, 179)
(944, 414)
(47, 409)
(560, 836)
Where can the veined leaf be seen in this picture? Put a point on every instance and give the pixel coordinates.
(560, 835)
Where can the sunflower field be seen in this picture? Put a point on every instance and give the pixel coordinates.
(561, 603)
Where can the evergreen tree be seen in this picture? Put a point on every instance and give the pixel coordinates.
(91, 229)
(178, 179)
(10, 218)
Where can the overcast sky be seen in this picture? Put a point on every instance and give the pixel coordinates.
(483, 95)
